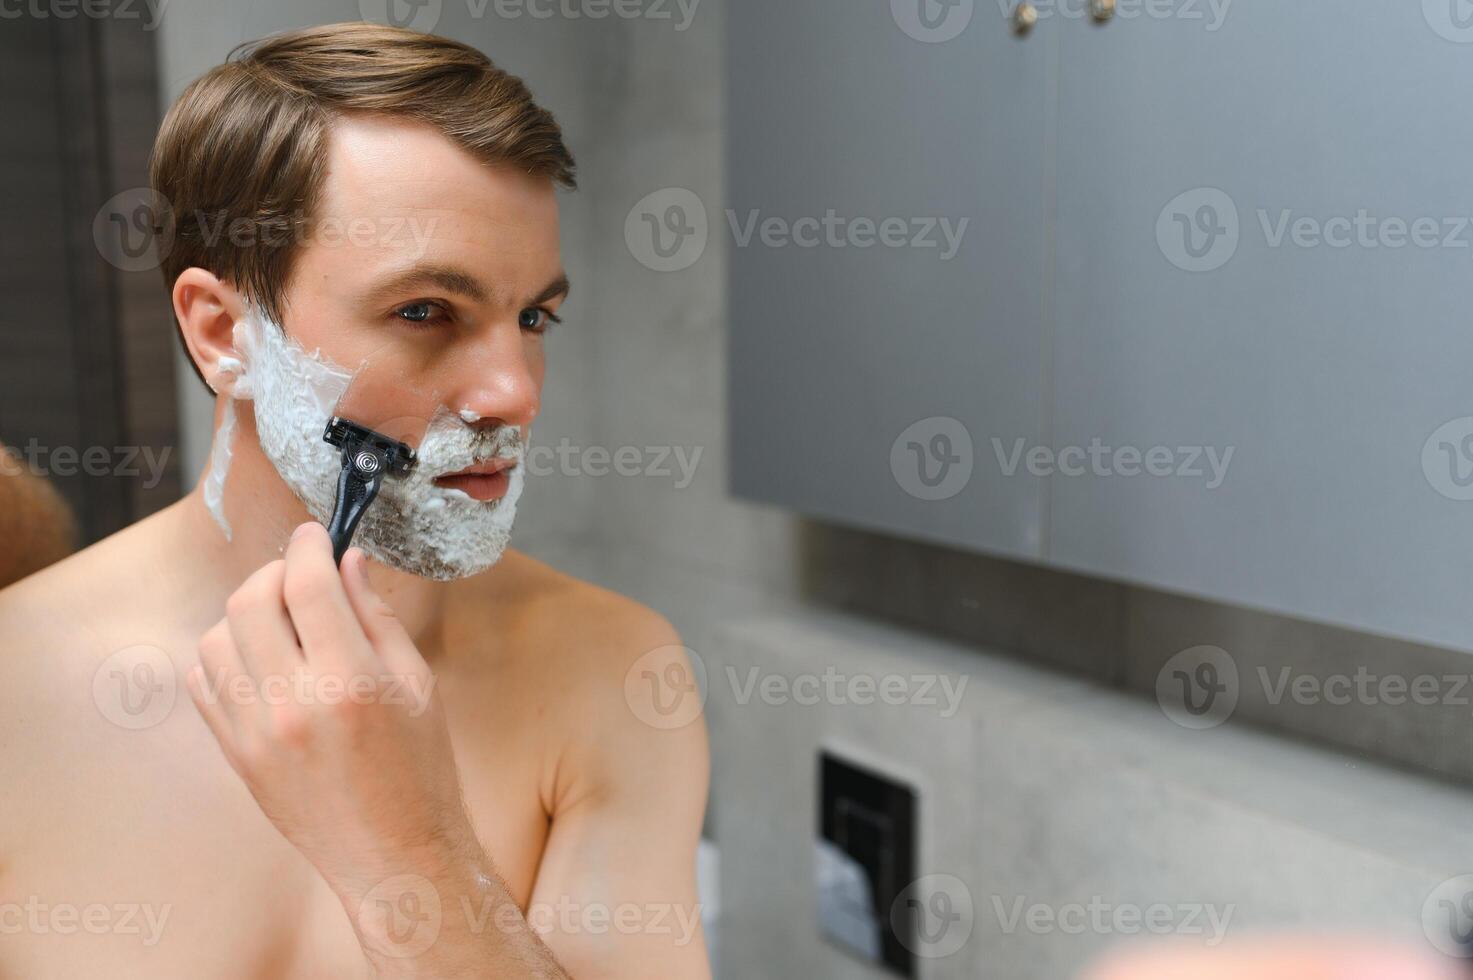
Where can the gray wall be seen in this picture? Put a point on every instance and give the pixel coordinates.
(1052, 815)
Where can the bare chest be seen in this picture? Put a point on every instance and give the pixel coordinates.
(143, 855)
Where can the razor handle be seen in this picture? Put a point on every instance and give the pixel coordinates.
(358, 486)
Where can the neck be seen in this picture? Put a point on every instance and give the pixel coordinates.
(262, 513)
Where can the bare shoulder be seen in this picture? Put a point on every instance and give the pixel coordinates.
(570, 622)
(72, 633)
(44, 620)
(614, 673)
(59, 631)
(66, 609)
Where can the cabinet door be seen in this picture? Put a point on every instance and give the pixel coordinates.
(843, 355)
(1263, 247)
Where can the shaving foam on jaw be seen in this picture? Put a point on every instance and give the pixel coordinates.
(414, 525)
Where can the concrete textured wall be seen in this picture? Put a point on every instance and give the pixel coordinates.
(1062, 814)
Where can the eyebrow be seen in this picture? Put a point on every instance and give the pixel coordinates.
(457, 281)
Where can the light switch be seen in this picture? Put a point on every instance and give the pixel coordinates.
(864, 858)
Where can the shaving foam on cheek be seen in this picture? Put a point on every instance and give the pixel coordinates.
(294, 394)
(297, 386)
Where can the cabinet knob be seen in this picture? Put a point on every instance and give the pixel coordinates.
(1102, 10)
(1025, 15)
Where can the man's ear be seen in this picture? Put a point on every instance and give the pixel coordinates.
(207, 309)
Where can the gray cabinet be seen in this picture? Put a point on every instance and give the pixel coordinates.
(836, 114)
(1323, 347)
(1194, 232)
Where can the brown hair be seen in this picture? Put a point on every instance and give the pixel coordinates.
(248, 139)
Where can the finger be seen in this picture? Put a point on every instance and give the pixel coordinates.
(206, 700)
(395, 648)
(327, 628)
(221, 680)
(260, 625)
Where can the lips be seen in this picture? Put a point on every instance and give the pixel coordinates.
(484, 481)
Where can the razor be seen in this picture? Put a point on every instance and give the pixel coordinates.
(367, 457)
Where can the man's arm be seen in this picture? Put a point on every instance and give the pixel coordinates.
(36, 528)
(616, 892)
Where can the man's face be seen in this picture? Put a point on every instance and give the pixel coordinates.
(430, 279)
(438, 273)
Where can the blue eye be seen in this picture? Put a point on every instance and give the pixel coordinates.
(421, 312)
(537, 319)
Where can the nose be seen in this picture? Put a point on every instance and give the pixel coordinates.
(500, 383)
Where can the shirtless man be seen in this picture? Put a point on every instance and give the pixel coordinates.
(188, 789)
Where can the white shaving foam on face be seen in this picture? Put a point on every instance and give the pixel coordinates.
(414, 525)
(223, 447)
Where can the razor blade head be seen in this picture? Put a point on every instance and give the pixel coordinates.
(351, 437)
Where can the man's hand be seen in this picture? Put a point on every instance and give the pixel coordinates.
(326, 709)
